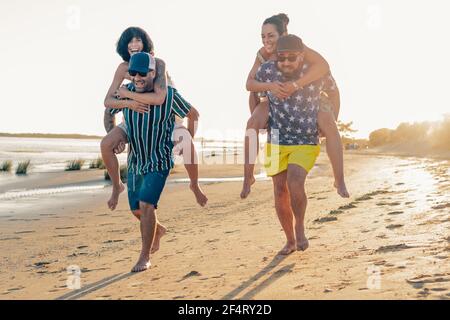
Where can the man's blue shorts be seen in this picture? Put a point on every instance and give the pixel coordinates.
(146, 188)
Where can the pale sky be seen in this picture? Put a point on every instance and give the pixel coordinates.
(389, 58)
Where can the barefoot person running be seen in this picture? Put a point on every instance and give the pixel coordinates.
(292, 140)
(272, 29)
(150, 156)
(134, 40)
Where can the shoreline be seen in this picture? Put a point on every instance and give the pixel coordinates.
(440, 156)
(45, 184)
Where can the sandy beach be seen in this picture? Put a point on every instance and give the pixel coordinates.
(390, 240)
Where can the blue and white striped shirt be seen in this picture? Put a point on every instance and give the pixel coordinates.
(150, 134)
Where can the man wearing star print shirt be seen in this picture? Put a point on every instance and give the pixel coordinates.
(293, 140)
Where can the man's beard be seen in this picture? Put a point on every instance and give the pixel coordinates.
(147, 88)
(295, 74)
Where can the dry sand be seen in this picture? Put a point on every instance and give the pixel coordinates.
(391, 240)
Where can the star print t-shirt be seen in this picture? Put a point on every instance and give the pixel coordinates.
(293, 121)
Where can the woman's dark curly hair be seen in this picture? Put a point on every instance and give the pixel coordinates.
(127, 36)
(280, 21)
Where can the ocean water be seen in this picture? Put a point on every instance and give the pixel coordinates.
(50, 155)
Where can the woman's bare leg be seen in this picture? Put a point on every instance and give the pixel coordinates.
(327, 125)
(253, 101)
(190, 159)
(257, 121)
(107, 146)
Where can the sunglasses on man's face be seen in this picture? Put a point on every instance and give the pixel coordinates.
(134, 73)
(291, 58)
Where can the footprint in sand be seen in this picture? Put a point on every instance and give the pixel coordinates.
(376, 193)
(379, 263)
(77, 254)
(364, 198)
(24, 232)
(190, 274)
(348, 206)
(420, 281)
(10, 238)
(15, 289)
(388, 204)
(325, 219)
(441, 206)
(393, 213)
(113, 241)
(232, 231)
(392, 248)
(336, 212)
(394, 226)
(43, 263)
(425, 292)
(438, 289)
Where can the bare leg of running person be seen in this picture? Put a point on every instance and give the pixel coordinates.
(110, 142)
(257, 121)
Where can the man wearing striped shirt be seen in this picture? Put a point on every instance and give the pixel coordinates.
(150, 151)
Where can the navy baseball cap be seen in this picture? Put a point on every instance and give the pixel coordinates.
(141, 62)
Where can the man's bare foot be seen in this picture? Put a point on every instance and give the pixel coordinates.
(160, 232)
(114, 200)
(202, 200)
(341, 189)
(287, 249)
(142, 264)
(302, 244)
(247, 186)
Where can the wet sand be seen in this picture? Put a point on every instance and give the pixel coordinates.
(391, 240)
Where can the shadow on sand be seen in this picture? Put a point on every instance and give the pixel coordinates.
(77, 294)
(273, 277)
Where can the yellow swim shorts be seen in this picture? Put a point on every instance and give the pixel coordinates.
(278, 157)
